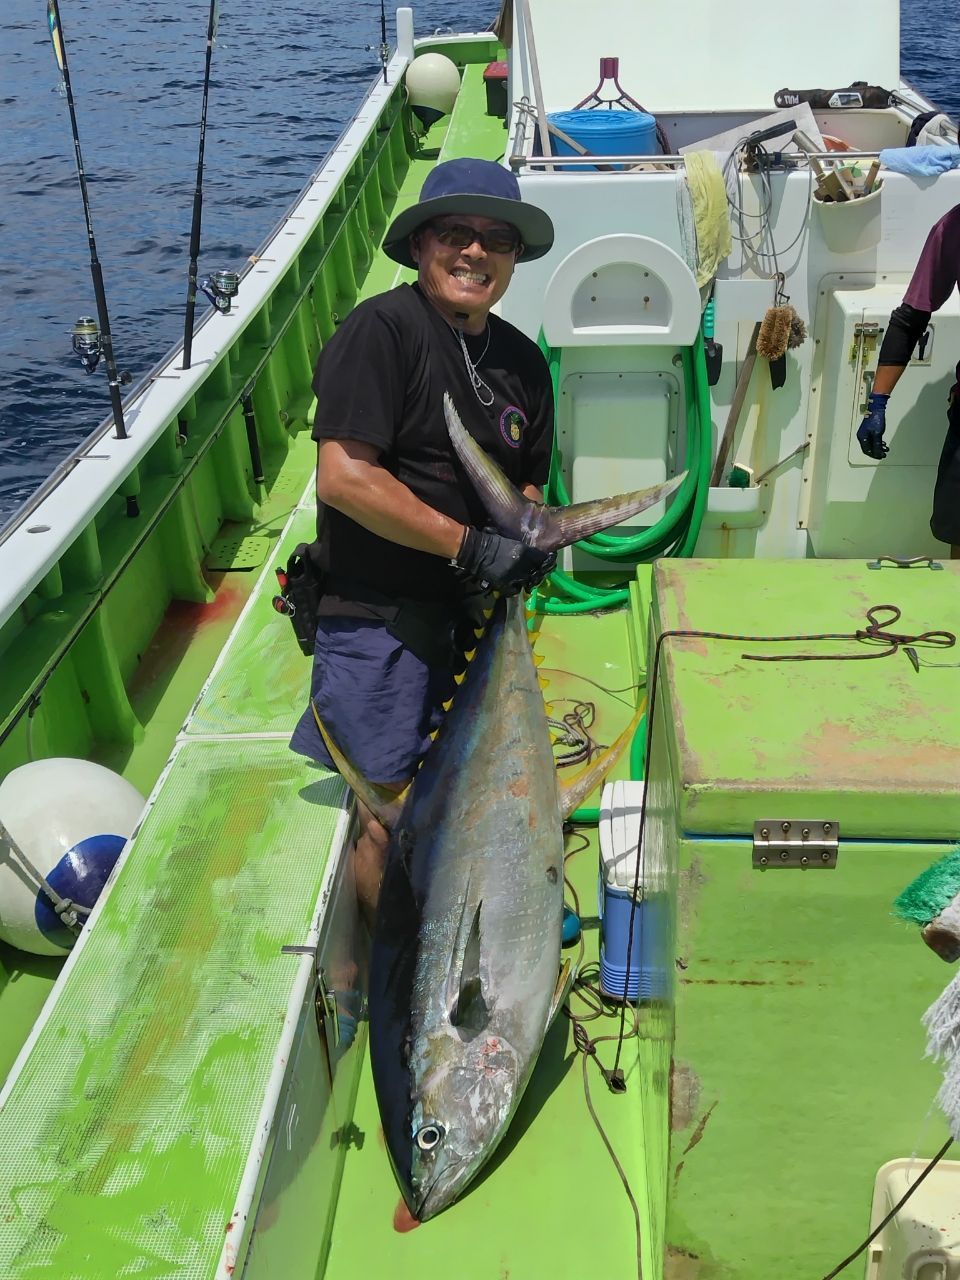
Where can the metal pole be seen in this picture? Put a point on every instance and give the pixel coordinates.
(113, 378)
(535, 74)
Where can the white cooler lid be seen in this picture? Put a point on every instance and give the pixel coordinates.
(619, 831)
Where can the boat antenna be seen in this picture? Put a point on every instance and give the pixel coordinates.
(212, 22)
(87, 342)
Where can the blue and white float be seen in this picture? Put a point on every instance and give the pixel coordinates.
(67, 820)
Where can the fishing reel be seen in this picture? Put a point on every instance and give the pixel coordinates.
(87, 343)
(221, 287)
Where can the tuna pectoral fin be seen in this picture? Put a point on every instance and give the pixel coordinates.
(574, 792)
(562, 990)
(383, 803)
(468, 1008)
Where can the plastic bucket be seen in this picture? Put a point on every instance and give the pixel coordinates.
(646, 978)
(605, 133)
(850, 226)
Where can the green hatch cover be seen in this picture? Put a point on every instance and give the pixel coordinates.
(873, 745)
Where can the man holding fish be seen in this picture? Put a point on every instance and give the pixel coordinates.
(403, 545)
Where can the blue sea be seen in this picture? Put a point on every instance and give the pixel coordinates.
(286, 78)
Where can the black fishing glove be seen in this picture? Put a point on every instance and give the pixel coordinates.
(500, 563)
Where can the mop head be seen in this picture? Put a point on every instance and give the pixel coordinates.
(774, 336)
(931, 901)
(931, 892)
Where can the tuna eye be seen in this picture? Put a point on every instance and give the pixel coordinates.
(430, 1136)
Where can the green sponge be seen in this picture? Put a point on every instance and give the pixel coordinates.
(932, 890)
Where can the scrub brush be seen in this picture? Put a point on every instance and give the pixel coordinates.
(774, 336)
(773, 340)
(933, 902)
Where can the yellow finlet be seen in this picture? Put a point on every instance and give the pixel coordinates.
(447, 705)
(538, 659)
(469, 657)
(544, 683)
(460, 677)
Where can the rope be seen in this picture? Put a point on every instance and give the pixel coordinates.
(68, 910)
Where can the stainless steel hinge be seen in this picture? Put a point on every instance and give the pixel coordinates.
(865, 335)
(326, 1005)
(779, 842)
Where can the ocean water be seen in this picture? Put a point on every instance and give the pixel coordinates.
(286, 79)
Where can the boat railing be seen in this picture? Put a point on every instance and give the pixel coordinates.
(633, 164)
(167, 367)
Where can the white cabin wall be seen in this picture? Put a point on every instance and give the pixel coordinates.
(700, 55)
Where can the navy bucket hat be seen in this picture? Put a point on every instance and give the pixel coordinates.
(478, 188)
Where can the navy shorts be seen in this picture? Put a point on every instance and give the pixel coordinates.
(945, 521)
(377, 700)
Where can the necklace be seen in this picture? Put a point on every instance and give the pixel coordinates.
(478, 384)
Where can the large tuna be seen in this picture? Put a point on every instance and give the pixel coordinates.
(466, 950)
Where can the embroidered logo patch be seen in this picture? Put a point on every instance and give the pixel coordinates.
(512, 423)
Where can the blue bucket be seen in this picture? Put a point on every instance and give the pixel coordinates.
(606, 132)
(647, 977)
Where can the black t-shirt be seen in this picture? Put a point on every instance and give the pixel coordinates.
(380, 380)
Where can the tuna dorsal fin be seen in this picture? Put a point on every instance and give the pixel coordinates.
(574, 792)
(384, 804)
(468, 1009)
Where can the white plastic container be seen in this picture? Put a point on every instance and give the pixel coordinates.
(923, 1241)
(850, 226)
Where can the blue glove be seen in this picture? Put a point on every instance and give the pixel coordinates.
(871, 429)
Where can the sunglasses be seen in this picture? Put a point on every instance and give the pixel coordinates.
(458, 235)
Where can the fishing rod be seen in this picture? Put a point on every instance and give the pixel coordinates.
(212, 23)
(384, 47)
(87, 342)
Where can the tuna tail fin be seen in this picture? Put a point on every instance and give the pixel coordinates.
(548, 528)
(574, 792)
(384, 804)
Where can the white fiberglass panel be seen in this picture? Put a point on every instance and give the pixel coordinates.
(619, 430)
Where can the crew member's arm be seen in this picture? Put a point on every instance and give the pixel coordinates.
(906, 327)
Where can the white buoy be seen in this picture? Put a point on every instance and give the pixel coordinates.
(433, 83)
(68, 820)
